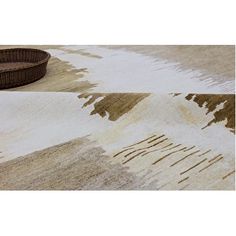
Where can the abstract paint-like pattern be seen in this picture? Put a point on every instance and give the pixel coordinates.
(123, 117)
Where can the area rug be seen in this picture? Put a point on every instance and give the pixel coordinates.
(122, 118)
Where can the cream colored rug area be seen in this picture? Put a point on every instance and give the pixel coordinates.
(122, 118)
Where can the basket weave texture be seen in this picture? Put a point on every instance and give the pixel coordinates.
(21, 66)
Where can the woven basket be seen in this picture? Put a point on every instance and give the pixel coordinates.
(21, 66)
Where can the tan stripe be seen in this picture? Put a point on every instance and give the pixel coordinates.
(204, 153)
(158, 149)
(122, 152)
(131, 158)
(167, 145)
(185, 157)
(171, 148)
(214, 158)
(156, 138)
(132, 152)
(167, 155)
(189, 148)
(157, 143)
(192, 167)
(182, 180)
(141, 141)
(230, 173)
(210, 164)
(144, 148)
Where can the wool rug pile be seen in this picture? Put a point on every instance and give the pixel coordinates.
(122, 118)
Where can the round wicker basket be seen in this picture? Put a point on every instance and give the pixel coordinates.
(21, 66)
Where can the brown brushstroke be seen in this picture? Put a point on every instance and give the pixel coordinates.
(162, 158)
(211, 164)
(132, 152)
(122, 152)
(139, 149)
(184, 158)
(230, 173)
(210, 102)
(131, 158)
(171, 148)
(189, 149)
(142, 141)
(192, 167)
(182, 180)
(167, 146)
(158, 149)
(204, 153)
(144, 148)
(157, 143)
(156, 138)
(214, 158)
(116, 104)
(176, 94)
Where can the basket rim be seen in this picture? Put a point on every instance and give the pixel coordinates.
(47, 57)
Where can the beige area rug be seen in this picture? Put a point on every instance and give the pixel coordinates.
(122, 117)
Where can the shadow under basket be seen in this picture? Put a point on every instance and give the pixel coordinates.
(21, 66)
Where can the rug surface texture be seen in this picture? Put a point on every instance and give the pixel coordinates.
(122, 118)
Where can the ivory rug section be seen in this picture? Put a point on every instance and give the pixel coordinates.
(157, 141)
(122, 117)
(128, 71)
